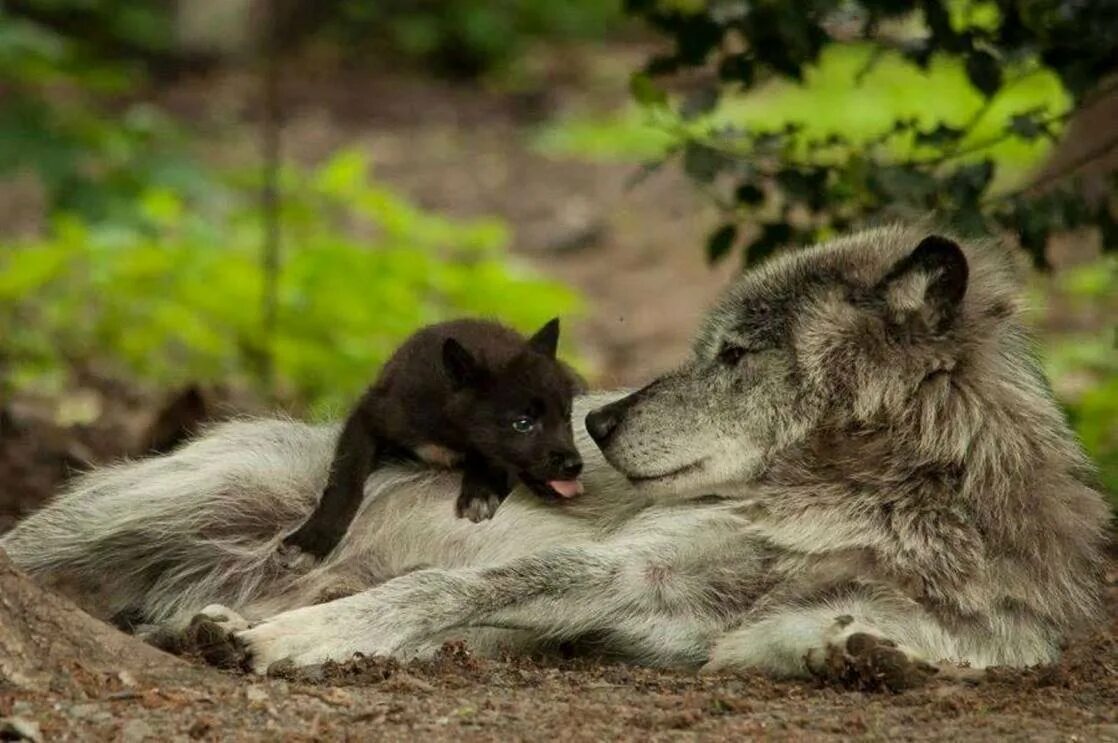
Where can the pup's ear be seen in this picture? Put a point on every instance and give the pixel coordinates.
(546, 339)
(460, 365)
(931, 281)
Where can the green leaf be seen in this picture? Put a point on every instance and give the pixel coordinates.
(662, 64)
(646, 92)
(773, 235)
(720, 243)
(702, 162)
(26, 271)
(699, 102)
(940, 136)
(984, 72)
(696, 35)
(902, 184)
(1026, 127)
(969, 182)
(344, 173)
(736, 68)
(750, 194)
(807, 186)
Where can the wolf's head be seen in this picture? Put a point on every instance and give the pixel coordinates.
(847, 336)
(518, 414)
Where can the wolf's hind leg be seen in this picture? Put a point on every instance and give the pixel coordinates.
(858, 642)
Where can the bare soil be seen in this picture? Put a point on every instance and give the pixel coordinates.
(635, 255)
(460, 697)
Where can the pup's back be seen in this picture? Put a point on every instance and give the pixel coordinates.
(412, 396)
(418, 363)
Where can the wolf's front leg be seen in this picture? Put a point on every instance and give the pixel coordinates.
(855, 641)
(395, 618)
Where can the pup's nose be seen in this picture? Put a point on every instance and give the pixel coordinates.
(572, 466)
(569, 464)
(601, 423)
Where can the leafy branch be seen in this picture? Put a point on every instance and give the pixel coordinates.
(794, 187)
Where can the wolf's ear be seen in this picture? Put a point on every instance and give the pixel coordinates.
(461, 366)
(546, 339)
(931, 281)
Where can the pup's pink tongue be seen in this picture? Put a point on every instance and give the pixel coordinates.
(566, 488)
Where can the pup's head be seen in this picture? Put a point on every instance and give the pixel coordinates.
(848, 336)
(518, 414)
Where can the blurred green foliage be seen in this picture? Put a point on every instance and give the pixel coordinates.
(175, 296)
(802, 181)
(467, 37)
(93, 160)
(1084, 365)
(152, 259)
(463, 38)
(820, 104)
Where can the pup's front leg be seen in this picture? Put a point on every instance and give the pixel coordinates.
(484, 488)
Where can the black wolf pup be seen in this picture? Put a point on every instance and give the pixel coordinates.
(467, 393)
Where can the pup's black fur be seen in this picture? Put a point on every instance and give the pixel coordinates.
(469, 393)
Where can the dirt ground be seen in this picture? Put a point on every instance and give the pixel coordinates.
(460, 697)
(635, 256)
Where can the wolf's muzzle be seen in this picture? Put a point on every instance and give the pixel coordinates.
(601, 423)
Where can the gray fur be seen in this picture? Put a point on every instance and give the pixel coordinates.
(854, 476)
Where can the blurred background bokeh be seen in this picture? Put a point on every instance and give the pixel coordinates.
(224, 206)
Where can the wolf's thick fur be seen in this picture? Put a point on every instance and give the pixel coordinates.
(879, 476)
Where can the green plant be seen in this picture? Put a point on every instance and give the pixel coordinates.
(798, 181)
(1083, 365)
(466, 37)
(176, 295)
(92, 160)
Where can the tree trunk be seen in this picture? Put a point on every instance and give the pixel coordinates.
(48, 642)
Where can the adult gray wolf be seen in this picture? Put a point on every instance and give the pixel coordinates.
(859, 472)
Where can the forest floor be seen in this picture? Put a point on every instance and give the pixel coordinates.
(635, 254)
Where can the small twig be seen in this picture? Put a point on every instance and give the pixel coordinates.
(874, 58)
(987, 143)
(269, 197)
(1097, 95)
(1059, 174)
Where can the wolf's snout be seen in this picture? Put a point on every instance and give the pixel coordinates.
(601, 423)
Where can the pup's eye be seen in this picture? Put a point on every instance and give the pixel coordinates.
(731, 355)
(523, 424)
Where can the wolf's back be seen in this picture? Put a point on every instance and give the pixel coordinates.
(170, 534)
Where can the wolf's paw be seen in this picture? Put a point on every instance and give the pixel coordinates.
(299, 638)
(210, 635)
(856, 657)
(339, 589)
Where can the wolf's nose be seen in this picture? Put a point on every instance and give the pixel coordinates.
(601, 423)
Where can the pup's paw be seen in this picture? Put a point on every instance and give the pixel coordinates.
(859, 658)
(293, 558)
(480, 507)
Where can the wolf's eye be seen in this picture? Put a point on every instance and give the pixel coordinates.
(523, 424)
(731, 355)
